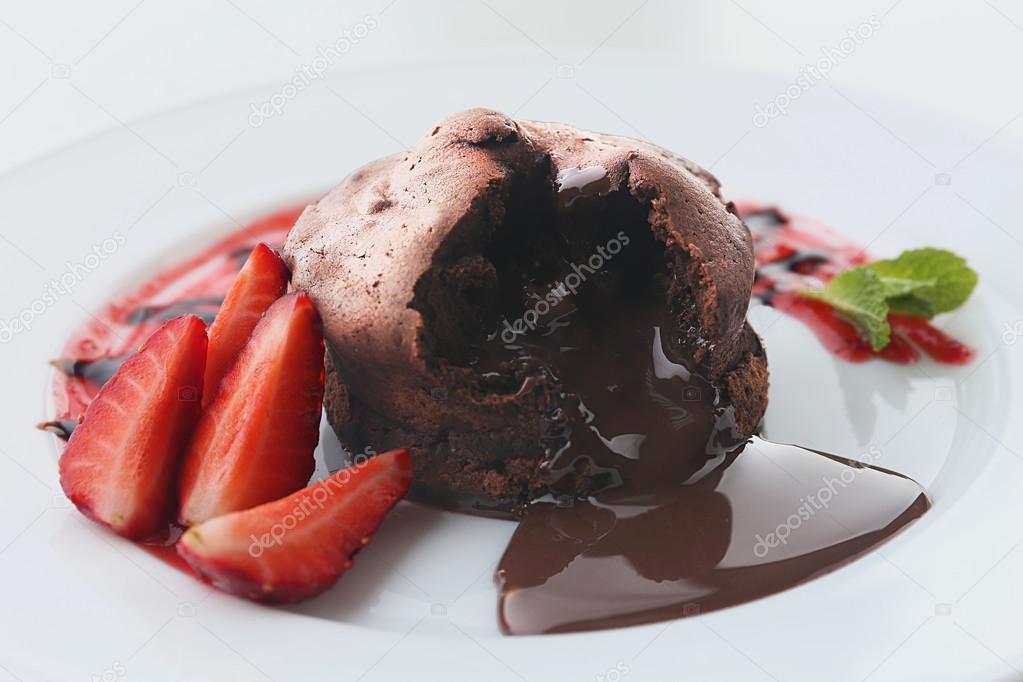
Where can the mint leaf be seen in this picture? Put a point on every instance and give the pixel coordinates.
(860, 295)
(900, 287)
(920, 283)
(926, 281)
(910, 306)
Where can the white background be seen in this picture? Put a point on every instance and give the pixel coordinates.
(69, 69)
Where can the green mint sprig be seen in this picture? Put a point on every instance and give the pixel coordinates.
(919, 283)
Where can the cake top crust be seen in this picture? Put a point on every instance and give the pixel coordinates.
(361, 250)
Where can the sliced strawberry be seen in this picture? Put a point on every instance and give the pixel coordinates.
(262, 280)
(255, 441)
(121, 463)
(297, 547)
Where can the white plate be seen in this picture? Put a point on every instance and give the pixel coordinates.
(939, 602)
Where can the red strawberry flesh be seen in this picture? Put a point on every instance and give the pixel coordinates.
(121, 463)
(262, 280)
(297, 547)
(254, 442)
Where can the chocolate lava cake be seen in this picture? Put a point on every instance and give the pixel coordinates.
(526, 306)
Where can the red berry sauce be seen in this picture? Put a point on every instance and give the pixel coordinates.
(197, 286)
(793, 253)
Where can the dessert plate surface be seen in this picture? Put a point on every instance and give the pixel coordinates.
(937, 603)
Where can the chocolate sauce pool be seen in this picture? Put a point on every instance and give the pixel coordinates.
(757, 523)
(681, 515)
(686, 518)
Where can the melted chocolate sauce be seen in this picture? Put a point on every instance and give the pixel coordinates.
(682, 516)
(205, 307)
(657, 507)
(61, 428)
(97, 372)
(588, 331)
(620, 407)
(753, 524)
(575, 183)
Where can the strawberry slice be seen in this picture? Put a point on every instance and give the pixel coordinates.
(121, 463)
(262, 280)
(254, 443)
(297, 547)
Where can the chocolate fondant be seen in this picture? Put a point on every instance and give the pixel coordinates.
(479, 291)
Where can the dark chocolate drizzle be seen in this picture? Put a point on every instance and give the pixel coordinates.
(97, 371)
(205, 307)
(61, 428)
(764, 220)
